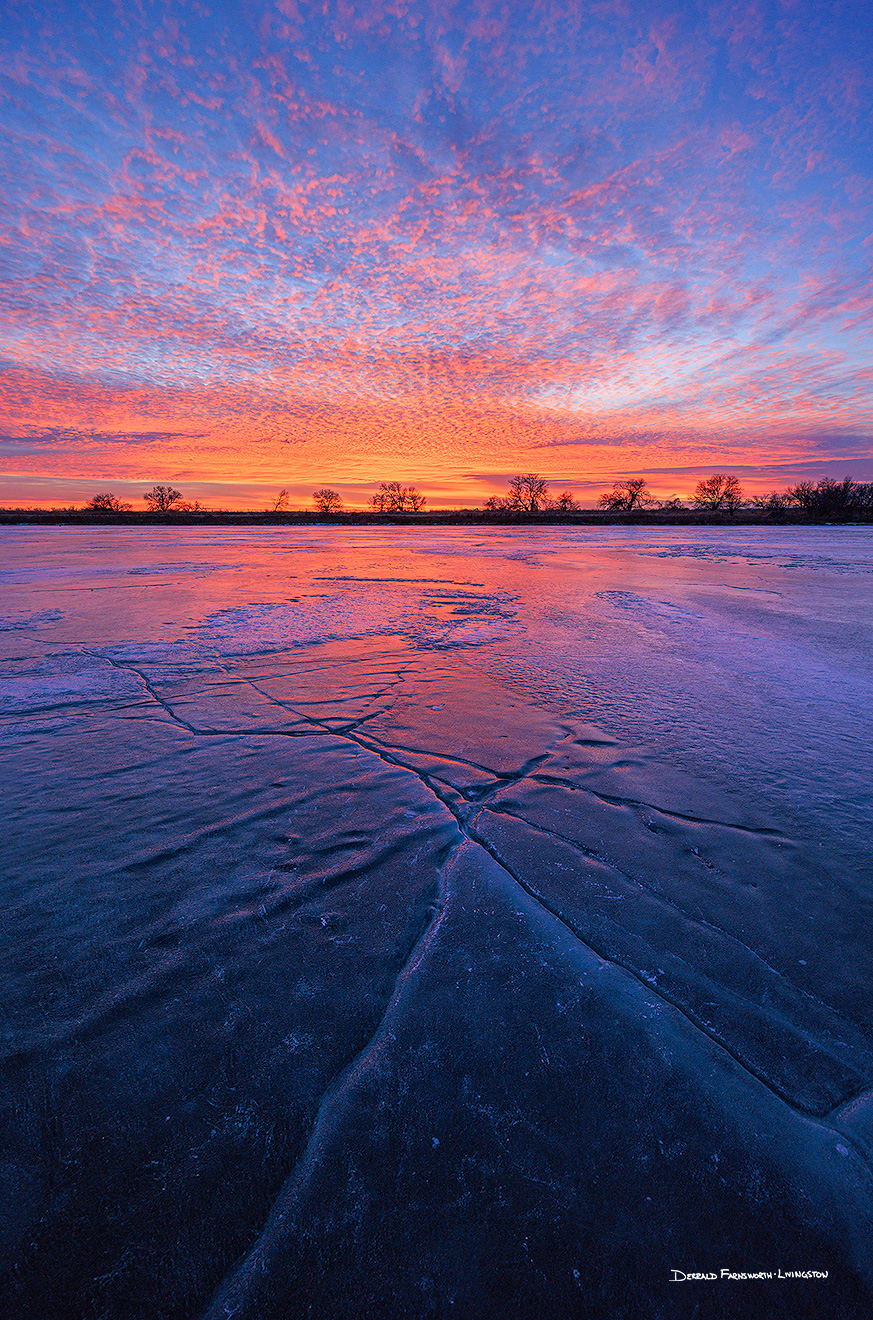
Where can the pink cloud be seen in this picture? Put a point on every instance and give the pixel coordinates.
(406, 226)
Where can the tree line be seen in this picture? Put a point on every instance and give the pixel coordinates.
(827, 499)
(824, 499)
(160, 499)
(391, 497)
(529, 493)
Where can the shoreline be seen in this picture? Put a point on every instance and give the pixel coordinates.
(436, 518)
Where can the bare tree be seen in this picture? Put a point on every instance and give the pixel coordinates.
(718, 492)
(391, 497)
(733, 494)
(627, 496)
(528, 492)
(774, 502)
(673, 505)
(106, 503)
(385, 499)
(803, 496)
(190, 506)
(162, 499)
(832, 499)
(327, 500)
(280, 503)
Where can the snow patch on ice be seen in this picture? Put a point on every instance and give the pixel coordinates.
(29, 619)
(646, 608)
(435, 619)
(71, 678)
(160, 570)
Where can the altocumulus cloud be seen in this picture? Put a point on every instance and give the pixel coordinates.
(406, 232)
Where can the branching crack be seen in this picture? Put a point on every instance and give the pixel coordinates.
(614, 960)
(332, 1099)
(616, 800)
(467, 826)
(701, 922)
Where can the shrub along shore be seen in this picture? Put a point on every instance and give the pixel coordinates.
(717, 500)
(431, 518)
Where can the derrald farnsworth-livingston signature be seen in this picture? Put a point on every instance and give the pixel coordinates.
(715, 1276)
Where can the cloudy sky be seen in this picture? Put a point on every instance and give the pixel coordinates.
(249, 245)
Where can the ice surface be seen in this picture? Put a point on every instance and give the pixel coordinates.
(408, 922)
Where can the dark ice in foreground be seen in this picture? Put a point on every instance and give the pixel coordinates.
(409, 923)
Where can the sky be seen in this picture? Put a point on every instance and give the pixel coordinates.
(251, 245)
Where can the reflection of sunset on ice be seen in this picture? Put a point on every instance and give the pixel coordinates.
(292, 246)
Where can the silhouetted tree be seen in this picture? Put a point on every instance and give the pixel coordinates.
(803, 496)
(672, 505)
(626, 496)
(391, 497)
(161, 499)
(864, 498)
(528, 492)
(831, 499)
(106, 503)
(772, 503)
(718, 492)
(327, 500)
(280, 503)
(190, 506)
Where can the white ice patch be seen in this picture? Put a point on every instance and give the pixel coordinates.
(646, 609)
(258, 628)
(165, 570)
(70, 679)
(29, 619)
(433, 619)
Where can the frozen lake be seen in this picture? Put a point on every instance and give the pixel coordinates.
(457, 922)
